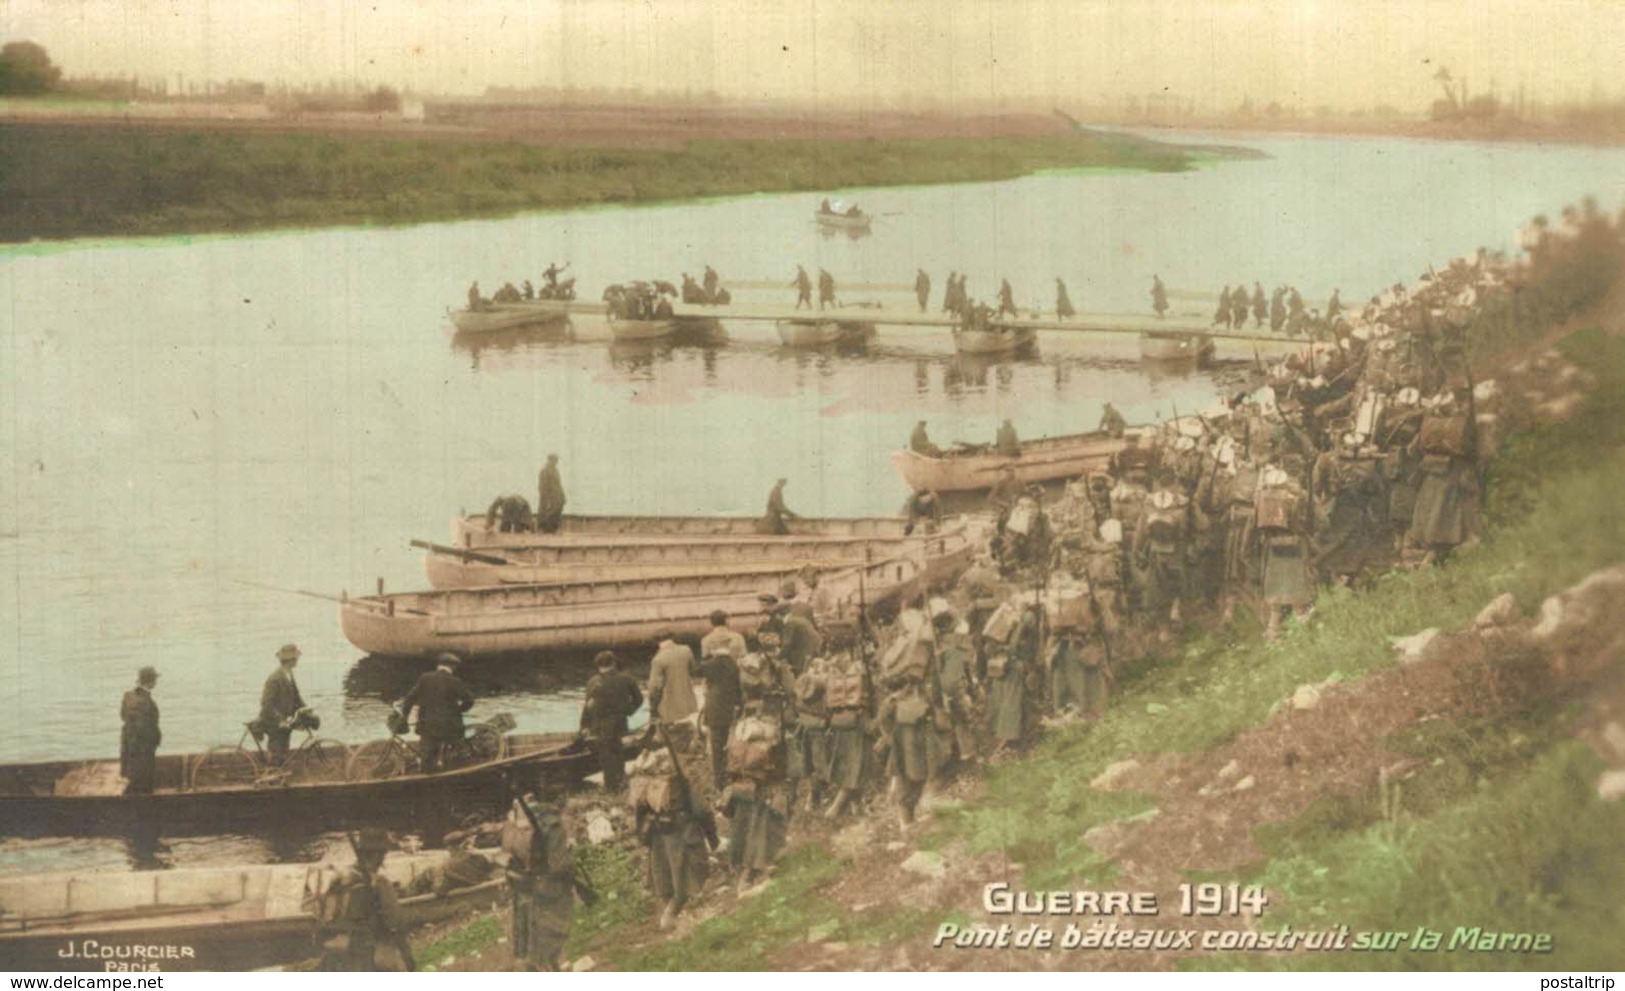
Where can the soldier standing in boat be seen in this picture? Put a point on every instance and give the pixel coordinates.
(476, 302)
(922, 288)
(361, 921)
(441, 698)
(776, 521)
(711, 282)
(550, 498)
(1112, 423)
(1159, 296)
(1063, 302)
(1278, 309)
(612, 697)
(1005, 442)
(512, 510)
(139, 739)
(1221, 316)
(803, 287)
(1007, 298)
(826, 289)
(280, 703)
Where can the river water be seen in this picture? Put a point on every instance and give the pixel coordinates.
(183, 415)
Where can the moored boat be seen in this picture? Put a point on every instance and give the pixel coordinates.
(1165, 346)
(1041, 460)
(843, 219)
(214, 918)
(85, 798)
(816, 333)
(470, 531)
(506, 316)
(995, 339)
(561, 563)
(589, 615)
(641, 330)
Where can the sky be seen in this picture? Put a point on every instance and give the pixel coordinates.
(1344, 53)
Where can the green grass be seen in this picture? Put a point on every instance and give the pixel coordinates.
(616, 875)
(58, 181)
(476, 937)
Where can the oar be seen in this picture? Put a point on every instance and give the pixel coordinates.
(316, 595)
(459, 552)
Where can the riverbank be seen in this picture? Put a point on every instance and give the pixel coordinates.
(65, 180)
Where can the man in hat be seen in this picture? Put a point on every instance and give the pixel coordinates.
(280, 702)
(550, 498)
(920, 442)
(720, 653)
(139, 739)
(776, 521)
(612, 698)
(362, 926)
(441, 698)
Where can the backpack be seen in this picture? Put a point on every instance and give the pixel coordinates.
(1022, 517)
(520, 843)
(1445, 435)
(1277, 509)
(1071, 610)
(753, 747)
(1001, 625)
(844, 690)
(907, 657)
(652, 782)
(755, 675)
(1164, 525)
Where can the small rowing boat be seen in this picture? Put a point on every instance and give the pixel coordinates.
(817, 333)
(1042, 460)
(506, 316)
(839, 217)
(628, 613)
(1172, 347)
(996, 339)
(641, 330)
(206, 918)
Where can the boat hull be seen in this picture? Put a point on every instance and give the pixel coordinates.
(575, 531)
(1040, 461)
(587, 616)
(30, 807)
(641, 330)
(995, 341)
(818, 333)
(1196, 348)
(840, 221)
(505, 316)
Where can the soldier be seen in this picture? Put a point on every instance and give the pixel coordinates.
(826, 289)
(1281, 526)
(1159, 297)
(512, 510)
(922, 507)
(1002, 497)
(1104, 569)
(776, 520)
(280, 704)
(758, 799)
(542, 878)
(677, 835)
(528, 290)
(1447, 494)
(1073, 655)
(1221, 316)
(361, 922)
(1334, 306)
(922, 288)
(956, 685)
(1278, 310)
(907, 737)
(1294, 312)
(476, 302)
(1010, 671)
(1260, 308)
(1063, 302)
(950, 303)
(140, 736)
(1112, 423)
(1238, 306)
(712, 281)
(611, 698)
(723, 698)
(920, 442)
(801, 640)
(803, 287)
(550, 498)
(1161, 543)
(1007, 298)
(551, 274)
(1005, 442)
(671, 686)
(808, 739)
(821, 604)
(847, 699)
(441, 698)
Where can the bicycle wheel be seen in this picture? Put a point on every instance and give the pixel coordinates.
(224, 766)
(382, 759)
(319, 760)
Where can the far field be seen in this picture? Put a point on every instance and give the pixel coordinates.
(73, 179)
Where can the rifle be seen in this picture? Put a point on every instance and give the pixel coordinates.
(589, 897)
(677, 768)
(397, 939)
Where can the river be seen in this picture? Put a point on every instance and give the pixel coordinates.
(183, 415)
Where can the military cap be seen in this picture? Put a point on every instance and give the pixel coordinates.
(606, 660)
(146, 675)
(289, 652)
(448, 658)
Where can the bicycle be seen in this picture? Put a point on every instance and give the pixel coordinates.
(398, 757)
(316, 759)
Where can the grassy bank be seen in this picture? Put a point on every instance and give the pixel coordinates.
(69, 181)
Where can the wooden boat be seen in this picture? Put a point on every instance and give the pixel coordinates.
(1169, 347)
(995, 340)
(83, 798)
(469, 531)
(630, 613)
(506, 316)
(816, 333)
(556, 563)
(859, 221)
(218, 918)
(1041, 460)
(641, 330)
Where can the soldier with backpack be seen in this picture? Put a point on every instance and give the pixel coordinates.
(542, 879)
(846, 691)
(674, 826)
(362, 928)
(758, 797)
(1281, 528)
(1161, 545)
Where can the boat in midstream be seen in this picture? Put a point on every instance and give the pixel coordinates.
(1164, 346)
(506, 316)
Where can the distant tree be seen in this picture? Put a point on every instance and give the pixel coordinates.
(383, 100)
(26, 69)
